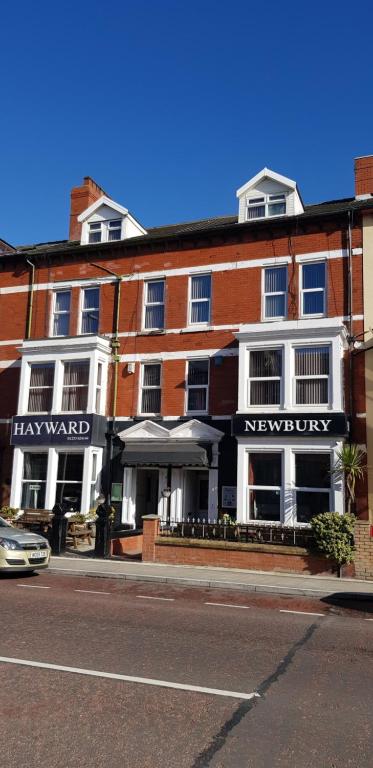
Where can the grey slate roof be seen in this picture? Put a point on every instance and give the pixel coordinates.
(218, 223)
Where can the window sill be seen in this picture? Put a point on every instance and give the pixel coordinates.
(196, 328)
(152, 332)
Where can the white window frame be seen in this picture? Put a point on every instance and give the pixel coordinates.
(269, 406)
(279, 488)
(275, 293)
(289, 446)
(191, 301)
(309, 489)
(141, 388)
(82, 311)
(80, 386)
(52, 465)
(265, 200)
(59, 313)
(146, 304)
(103, 226)
(43, 362)
(302, 290)
(296, 377)
(188, 386)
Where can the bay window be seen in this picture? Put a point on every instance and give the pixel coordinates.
(265, 376)
(151, 388)
(197, 386)
(41, 387)
(34, 480)
(200, 299)
(154, 304)
(275, 293)
(313, 288)
(75, 386)
(70, 480)
(312, 485)
(265, 485)
(312, 375)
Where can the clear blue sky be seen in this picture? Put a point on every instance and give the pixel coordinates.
(172, 106)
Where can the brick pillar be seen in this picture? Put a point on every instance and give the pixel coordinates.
(150, 533)
(363, 550)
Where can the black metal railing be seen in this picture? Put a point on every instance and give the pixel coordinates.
(237, 532)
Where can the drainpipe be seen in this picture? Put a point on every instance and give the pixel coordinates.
(31, 301)
(115, 344)
(350, 315)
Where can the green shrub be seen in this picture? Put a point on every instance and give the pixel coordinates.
(8, 513)
(334, 535)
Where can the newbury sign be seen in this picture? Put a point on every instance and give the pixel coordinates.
(87, 429)
(291, 424)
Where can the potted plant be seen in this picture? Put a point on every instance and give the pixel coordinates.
(9, 513)
(351, 464)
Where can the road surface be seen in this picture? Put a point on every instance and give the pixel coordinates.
(100, 673)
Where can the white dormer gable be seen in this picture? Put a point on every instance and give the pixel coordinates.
(267, 195)
(145, 430)
(106, 221)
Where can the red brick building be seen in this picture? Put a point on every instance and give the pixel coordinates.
(194, 368)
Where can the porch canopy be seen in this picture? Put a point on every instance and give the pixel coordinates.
(164, 455)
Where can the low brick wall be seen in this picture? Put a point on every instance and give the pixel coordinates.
(127, 545)
(255, 557)
(363, 550)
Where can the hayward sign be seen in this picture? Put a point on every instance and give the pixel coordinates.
(292, 424)
(81, 429)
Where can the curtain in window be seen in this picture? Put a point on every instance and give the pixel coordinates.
(152, 376)
(198, 372)
(155, 292)
(200, 296)
(265, 363)
(34, 480)
(75, 389)
(62, 301)
(201, 287)
(151, 401)
(312, 361)
(313, 275)
(256, 211)
(41, 388)
(154, 316)
(90, 310)
(197, 399)
(275, 306)
(275, 280)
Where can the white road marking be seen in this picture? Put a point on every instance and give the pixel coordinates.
(228, 605)
(130, 678)
(303, 613)
(368, 619)
(91, 592)
(150, 597)
(32, 586)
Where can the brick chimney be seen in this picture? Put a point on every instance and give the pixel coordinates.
(364, 176)
(81, 198)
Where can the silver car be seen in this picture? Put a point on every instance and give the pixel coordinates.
(22, 550)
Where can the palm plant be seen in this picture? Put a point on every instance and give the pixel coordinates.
(350, 462)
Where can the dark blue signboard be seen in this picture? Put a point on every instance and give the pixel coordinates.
(71, 429)
(290, 424)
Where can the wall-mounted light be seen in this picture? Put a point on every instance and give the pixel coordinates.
(218, 360)
(130, 367)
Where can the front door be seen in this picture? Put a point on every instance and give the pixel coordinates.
(196, 494)
(146, 494)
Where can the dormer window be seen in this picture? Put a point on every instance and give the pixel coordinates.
(266, 206)
(95, 232)
(115, 229)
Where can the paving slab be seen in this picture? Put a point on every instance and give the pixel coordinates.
(220, 578)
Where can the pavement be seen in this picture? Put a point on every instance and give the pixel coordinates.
(128, 674)
(218, 578)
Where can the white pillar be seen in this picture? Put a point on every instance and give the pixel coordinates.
(242, 484)
(50, 491)
(129, 496)
(17, 472)
(177, 494)
(213, 495)
(86, 481)
(162, 501)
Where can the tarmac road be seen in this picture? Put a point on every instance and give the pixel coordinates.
(285, 686)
